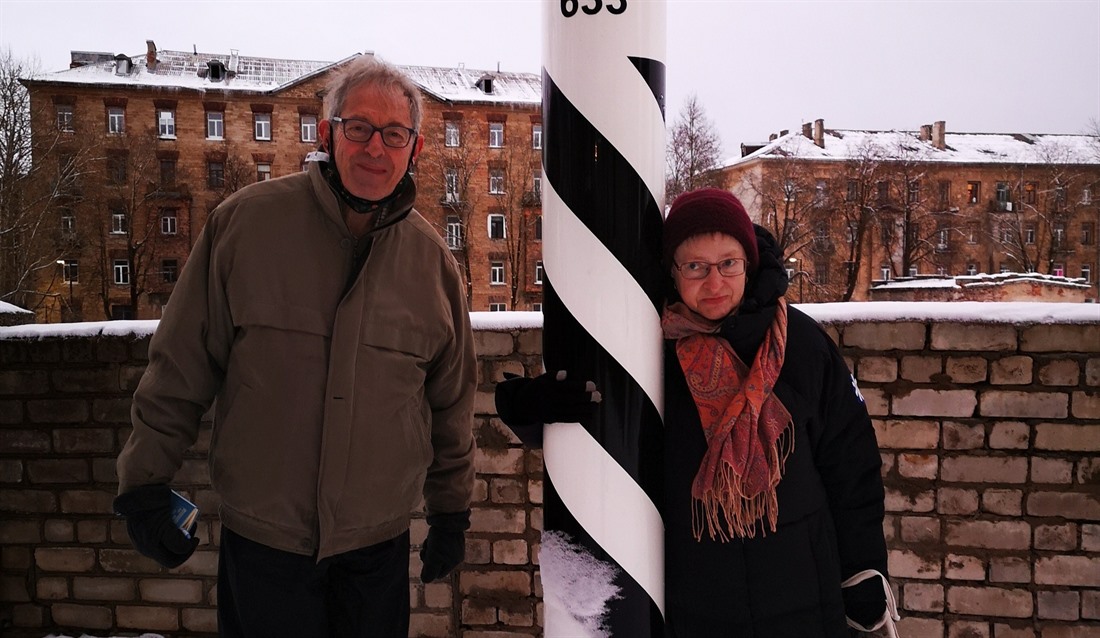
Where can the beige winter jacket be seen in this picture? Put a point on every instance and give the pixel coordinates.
(334, 411)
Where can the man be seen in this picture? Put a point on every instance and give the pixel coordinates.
(329, 321)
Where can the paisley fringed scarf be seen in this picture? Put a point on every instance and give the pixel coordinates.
(748, 430)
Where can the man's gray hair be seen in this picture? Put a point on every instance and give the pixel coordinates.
(367, 70)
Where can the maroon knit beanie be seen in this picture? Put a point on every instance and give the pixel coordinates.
(705, 211)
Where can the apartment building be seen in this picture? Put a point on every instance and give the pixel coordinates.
(856, 207)
(142, 149)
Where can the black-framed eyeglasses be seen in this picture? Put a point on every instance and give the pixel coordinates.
(700, 269)
(393, 136)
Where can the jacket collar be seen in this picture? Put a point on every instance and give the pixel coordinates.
(386, 212)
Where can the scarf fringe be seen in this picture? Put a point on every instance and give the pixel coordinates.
(726, 500)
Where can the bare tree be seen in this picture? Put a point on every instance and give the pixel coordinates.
(694, 150)
(448, 169)
(518, 201)
(40, 177)
(859, 209)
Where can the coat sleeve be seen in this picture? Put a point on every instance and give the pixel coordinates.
(187, 359)
(848, 460)
(450, 388)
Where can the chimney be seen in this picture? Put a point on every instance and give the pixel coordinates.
(806, 130)
(938, 130)
(150, 55)
(783, 132)
(925, 132)
(819, 133)
(771, 138)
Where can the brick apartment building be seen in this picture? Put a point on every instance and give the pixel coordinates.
(145, 147)
(853, 208)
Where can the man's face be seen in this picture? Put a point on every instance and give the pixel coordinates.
(371, 170)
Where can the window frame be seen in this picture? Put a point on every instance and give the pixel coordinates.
(450, 185)
(120, 269)
(70, 271)
(119, 223)
(217, 120)
(211, 182)
(536, 137)
(116, 120)
(496, 134)
(496, 273)
(453, 232)
(307, 130)
(452, 134)
(494, 222)
(496, 181)
(65, 124)
(166, 127)
(169, 222)
(261, 174)
(262, 127)
(973, 191)
(539, 272)
(169, 270)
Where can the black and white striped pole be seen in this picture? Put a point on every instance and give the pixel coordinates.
(602, 555)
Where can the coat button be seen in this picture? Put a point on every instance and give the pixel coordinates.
(345, 243)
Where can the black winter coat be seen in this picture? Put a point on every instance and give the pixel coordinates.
(782, 584)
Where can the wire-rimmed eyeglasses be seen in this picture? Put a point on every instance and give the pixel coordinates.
(393, 136)
(700, 269)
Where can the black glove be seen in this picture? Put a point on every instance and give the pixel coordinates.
(865, 602)
(552, 397)
(445, 546)
(148, 512)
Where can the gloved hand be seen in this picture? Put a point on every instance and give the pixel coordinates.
(148, 512)
(552, 397)
(865, 601)
(445, 546)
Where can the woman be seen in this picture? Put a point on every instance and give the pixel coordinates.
(773, 495)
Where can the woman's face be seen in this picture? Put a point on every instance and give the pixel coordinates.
(714, 296)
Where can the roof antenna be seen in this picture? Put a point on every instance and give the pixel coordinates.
(194, 50)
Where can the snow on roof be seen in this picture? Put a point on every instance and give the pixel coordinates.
(968, 148)
(467, 85)
(979, 312)
(981, 279)
(180, 69)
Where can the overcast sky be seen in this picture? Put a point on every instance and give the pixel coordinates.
(757, 67)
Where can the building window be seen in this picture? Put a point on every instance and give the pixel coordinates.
(1058, 270)
(536, 184)
(122, 271)
(884, 272)
(170, 270)
(166, 123)
(65, 118)
(973, 192)
(945, 194)
(1086, 196)
(538, 228)
(308, 127)
(943, 236)
(1059, 197)
(168, 221)
(498, 307)
(496, 181)
(167, 173)
(263, 172)
(122, 312)
(496, 273)
(454, 232)
(820, 193)
(1030, 193)
(1007, 234)
(262, 126)
(536, 307)
(452, 134)
(971, 269)
(496, 226)
(450, 185)
(116, 120)
(70, 271)
(852, 193)
(1059, 235)
(972, 233)
(1088, 233)
(1002, 196)
(118, 223)
(496, 134)
(538, 272)
(1086, 273)
(215, 125)
(913, 192)
(116, 169)
(215, 174)
(536, 136)
(913, 272)
(887, 232)
(1029, 234)
(68, 221)
(1004, 268)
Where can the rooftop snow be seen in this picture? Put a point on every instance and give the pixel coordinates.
(180, 69)
(970, 148)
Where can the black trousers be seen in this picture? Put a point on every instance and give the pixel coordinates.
(268, 593)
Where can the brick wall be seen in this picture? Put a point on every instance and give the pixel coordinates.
(990, 436)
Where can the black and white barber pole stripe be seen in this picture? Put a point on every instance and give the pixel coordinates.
(602, 556)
